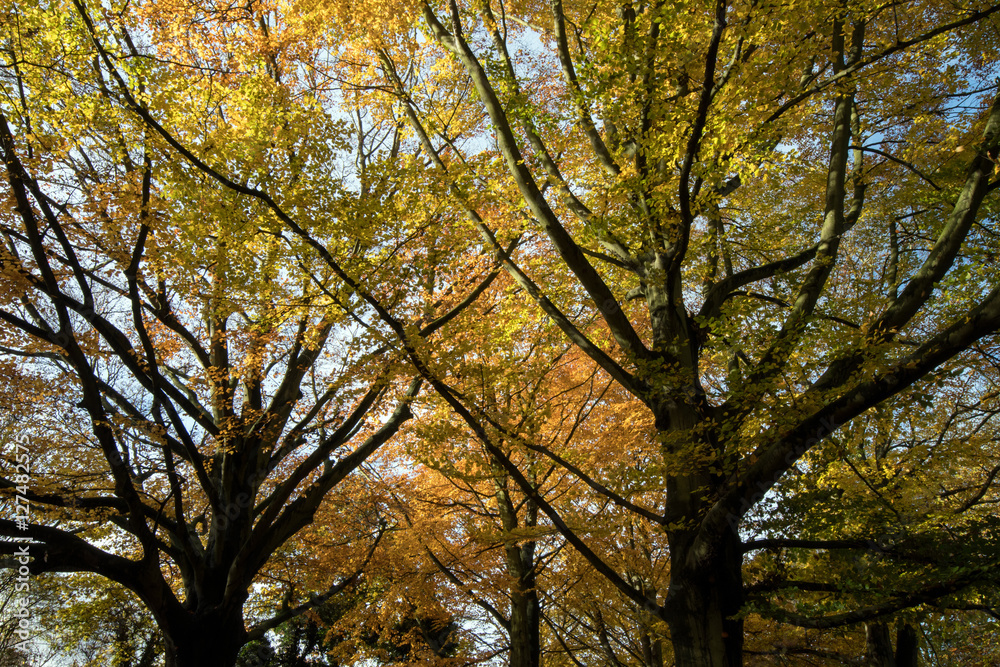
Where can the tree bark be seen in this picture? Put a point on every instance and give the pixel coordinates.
(212, 639)
(878, 646)
(703, 605)
(652, 650)
(525, 610)
(525, 646)
(907, 646)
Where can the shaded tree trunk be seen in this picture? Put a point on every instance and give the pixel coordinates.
(706, 571)
(211, 639)
(878, 646)
(525, 644)
(525, 607)
(652, 650)
(702, 605)
(907, 646)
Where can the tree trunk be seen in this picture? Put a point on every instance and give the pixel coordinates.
(706, 571)
(907, 646)
(525, 645)
(213, 639)
(652, 650)
(703, 602)
(878, 646)
(525, 612)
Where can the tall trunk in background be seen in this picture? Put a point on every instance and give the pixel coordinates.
(878, 646)
(525, 606)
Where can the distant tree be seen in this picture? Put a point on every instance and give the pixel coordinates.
(92, 622)
(13, 652)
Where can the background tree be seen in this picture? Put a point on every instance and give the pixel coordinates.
(88, 621)
(883, 476)
(466, 519)
(14, 650)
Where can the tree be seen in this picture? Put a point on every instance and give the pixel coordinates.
(14, 650)
(85, 619)
(936, 535)
(465, 517)
(779, 215)
(187, 385)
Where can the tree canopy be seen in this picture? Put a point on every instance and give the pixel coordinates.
(548, 333)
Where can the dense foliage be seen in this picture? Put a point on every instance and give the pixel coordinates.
(562, 333)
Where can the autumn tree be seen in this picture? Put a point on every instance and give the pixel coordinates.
(15, 650)
(189, 383)
(395, 614)
(465, 518)
(781, 215)
(932, 563)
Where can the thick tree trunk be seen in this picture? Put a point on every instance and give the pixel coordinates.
(525, 644)
(525, 610)
(208, 640)
(702, 604)
(907, 646)
(706, 572)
